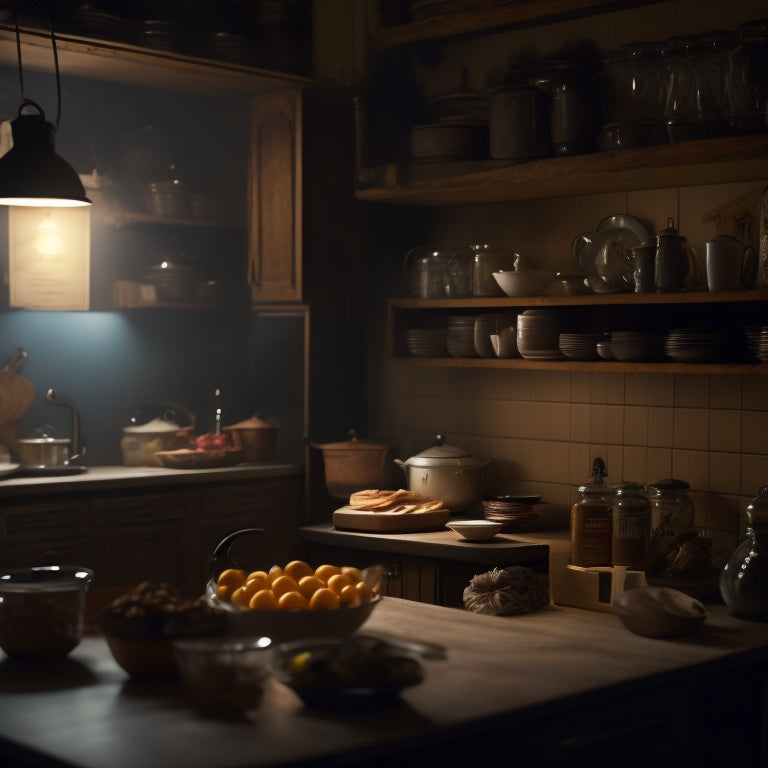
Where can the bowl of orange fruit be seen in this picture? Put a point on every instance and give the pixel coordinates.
(293, 600)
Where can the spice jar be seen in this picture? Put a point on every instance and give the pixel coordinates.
(744, 579)
(591, 521)
(631, 527)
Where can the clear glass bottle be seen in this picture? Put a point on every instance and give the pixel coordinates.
(631, 527)
(744, 579)
(591, 521)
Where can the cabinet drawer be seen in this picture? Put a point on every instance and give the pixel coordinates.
(238, 499)
(42, 520)
(139, 510)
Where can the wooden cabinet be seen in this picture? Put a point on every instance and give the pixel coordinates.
(430, 567)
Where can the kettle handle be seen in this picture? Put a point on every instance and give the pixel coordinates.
(55, 398)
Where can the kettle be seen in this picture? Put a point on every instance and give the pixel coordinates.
(674, 267)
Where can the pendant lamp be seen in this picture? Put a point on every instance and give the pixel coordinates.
(31, 173)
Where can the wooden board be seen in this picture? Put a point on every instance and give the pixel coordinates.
(351, 519)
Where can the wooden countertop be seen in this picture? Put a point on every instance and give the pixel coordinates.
(441, 544)
(117, 477)
(509, 686)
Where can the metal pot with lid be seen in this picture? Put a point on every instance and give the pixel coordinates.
(155, 428)
(47, 452)
(446, 472)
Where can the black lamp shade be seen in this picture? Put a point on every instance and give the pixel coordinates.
(32, 174)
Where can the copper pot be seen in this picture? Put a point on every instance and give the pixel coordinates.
(354, 465)
(256, 437)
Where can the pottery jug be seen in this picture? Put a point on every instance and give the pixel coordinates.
(674, 259)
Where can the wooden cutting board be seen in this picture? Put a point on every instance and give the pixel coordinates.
(350, 519)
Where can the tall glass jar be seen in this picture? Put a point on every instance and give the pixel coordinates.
(591, 521)
(672, 514)
(744, 579)
(631, 527)
(748, 79)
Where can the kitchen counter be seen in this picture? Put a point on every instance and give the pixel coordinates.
(561, 685)
(116, 477)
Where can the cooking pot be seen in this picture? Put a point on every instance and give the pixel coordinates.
(44, 451)
(164, 432)
(354, 465)
(446, 472)
(256, 437)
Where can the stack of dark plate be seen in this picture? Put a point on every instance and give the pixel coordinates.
(696, 345)
(427, 342)
(757, 340)
(580, 346)
(630, 346)
(461, 336)
(511, 511)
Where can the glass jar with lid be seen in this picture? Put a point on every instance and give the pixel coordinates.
(744, 579)
(631, 527)
(748, 78)
(591, 521)
(672, 513)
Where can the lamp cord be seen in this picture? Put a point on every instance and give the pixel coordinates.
(25, 100)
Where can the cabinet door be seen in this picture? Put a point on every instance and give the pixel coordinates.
(145, 536)
(274, 198)
(44, 533)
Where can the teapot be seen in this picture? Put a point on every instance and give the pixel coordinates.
(674, 266)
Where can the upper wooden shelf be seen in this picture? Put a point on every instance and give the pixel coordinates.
(688, 163)
(508, 15)
(134, 65)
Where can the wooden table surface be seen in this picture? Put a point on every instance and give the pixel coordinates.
(507, 675)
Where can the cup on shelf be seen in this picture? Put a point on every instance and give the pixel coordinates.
(731, 265)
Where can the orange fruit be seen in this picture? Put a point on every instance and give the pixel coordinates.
(264, 600)
(350, 596)
(308, 585)
(338, 581)
(256, 581)
(353, 573)
(325, 599)
(325, 572)
(283, 584)
(242, 595)
(297, 569)
(365, 592)
(224, 592)
(275, 572)
(231, 577)
(293, 601)
(257, 575)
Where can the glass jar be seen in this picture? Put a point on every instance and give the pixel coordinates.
(631, 527)
(744, 579)
(591, 521)
(672, 513)
(748, 78)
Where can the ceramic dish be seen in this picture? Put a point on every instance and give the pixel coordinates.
(8, 469)
(351, 672)
(475, 530)
(188, 459)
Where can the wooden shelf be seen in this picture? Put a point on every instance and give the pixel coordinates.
(706, 161)
(509, 15)
(138, 66)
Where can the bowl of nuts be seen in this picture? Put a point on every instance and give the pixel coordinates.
(42, 609)
(141, 625)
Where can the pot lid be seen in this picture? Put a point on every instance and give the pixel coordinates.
(45, 441)
(441, 454)
(253, 423)
(153, 427)
(353, 444)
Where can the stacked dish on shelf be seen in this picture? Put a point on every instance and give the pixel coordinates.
(427, 342)
(695, 345)
(461, 336)
(490, 325)
(511, 511)
(537, 335)
(757, 341)
(580, 346)
(635, 346)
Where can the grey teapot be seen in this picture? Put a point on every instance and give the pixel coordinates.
(674, 265)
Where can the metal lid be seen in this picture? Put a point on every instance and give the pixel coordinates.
(441, 454)
(670, 485)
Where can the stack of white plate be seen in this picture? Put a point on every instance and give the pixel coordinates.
(461, 336)
(696, 345)
(580, 346)
(753, 335)
(487, 325)
(762, 347)
(427, 342)
(537, 336)
(635, 346)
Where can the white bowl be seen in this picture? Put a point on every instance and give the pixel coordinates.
(526, 282)
(475, 530)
